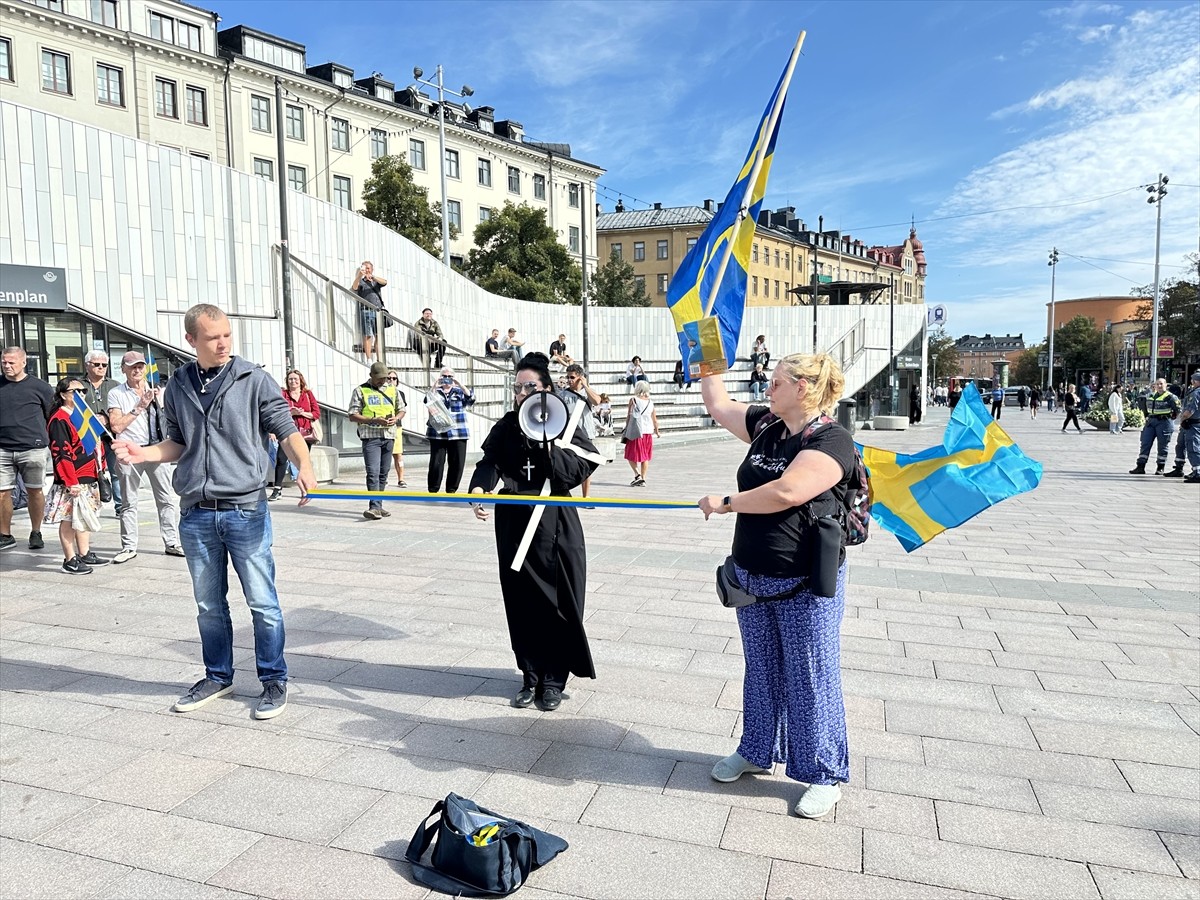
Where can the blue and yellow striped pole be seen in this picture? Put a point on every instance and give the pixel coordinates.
(501, 499)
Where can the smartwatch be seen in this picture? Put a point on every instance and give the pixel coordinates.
(727, 503)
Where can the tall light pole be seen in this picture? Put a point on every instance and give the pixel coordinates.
(1157, 191)
(1053, 264)
(442, 92)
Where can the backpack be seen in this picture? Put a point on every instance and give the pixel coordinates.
(856, 503)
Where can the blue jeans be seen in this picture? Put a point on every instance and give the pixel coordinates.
(377, 456)
(212, 538)
(758, 390)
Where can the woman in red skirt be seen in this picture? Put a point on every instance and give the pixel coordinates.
(639, 450)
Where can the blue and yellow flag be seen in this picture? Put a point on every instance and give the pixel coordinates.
(151, 369)
(918, 496)
(89, 427)
(690, 293)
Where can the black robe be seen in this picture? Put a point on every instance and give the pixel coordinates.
(544, 600)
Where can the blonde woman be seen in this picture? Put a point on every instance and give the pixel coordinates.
(640, 450)
(794, 477)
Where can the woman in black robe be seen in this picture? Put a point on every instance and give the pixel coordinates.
(544, 600)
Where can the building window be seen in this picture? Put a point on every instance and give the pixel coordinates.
(776, 290)
(539, 187)
(777, 259)
(454, 214)
(6, 73)
(639, 251)
(514, 180)
(197, 106)
(384, 93)
(640, 282)
(264, 168)
(661, 251)
(162, 28)
(260, 113)
(52, 5)
(691, 242)
(754, 285)
(109, 88)
(452, 164)
(164, 99)
(293, 122)
(787, 260)
(573, 195)
(189, 36)
(573, 238)
(616, 251)
(485, 213)
(663, 280)
(378, 143)
(340, 134)
(416, 154)
(104, 12)
(298, 179)
(273, 54)
(341, 191)
(56, 72)
(343, 79)
(485, 172)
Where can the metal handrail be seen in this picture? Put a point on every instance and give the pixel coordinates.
(855, 337)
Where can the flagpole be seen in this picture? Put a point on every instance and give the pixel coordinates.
(756, 168)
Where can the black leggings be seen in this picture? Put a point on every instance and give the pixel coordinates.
(1072, 416)
(439, 451)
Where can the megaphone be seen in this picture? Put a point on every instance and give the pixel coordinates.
(543, 417)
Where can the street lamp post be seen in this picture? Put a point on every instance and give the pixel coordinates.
(1157, 191)
(1053, 264)
(442, 92)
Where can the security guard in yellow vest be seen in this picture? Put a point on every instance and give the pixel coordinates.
(1162, 408)
(375, 409)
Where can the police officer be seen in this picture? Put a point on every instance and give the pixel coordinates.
(1189, 433)
(1162, 407)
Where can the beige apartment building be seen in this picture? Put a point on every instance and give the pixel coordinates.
(784, 258)
(161, 71)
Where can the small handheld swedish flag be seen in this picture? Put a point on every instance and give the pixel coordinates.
(151, 369)
(86, 423)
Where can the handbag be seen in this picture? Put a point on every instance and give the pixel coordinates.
(318, 432)
(477, 852)
(633, 429)
(84, 516)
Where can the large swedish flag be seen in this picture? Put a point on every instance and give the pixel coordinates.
(89, 427)
(690, 295)
(918, 496)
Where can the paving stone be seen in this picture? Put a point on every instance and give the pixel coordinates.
(1068, 768)
(142, 885)
(1121, 884)
(1045, 662)
(1134, 810)
(878, 662)
(535, 796)
(952, 637)
(973, 868)
(156, 780)
(985, 674)
(1156, 673)
(470, 746)
(1169, 781)
(790, 837)
(959, 724)
(577, 729)
(1185, 849)
(353, 725)
(1082, 708)
(656, 815)
(1190, 714)
(885, 745)
(790, 880)
(668, 713)
(950, 784)
(153, 731)
(31, 870)
(60, 762)
(387, 826)
(969, 655)
(1069, 648)
(880, 811)
(692, 746)
(911, 617)
(1114, 687)
(390, 771)
(766, 793)
(285, 869)
(416, 682)
(26, 812)
(47, 713)
(35, 677)
(159, 842)
(635, 770)
(639, 866)
(1171, 657)
(919, 690)
(1045, 835)
(1169, 748)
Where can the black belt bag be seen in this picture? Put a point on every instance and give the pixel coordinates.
(731, 595)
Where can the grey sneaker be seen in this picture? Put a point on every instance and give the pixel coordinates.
(36, 542)
(7, 541)
(272, 701)
(202, 693)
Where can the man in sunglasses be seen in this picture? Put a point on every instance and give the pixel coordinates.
(98, 384)
(136, 415)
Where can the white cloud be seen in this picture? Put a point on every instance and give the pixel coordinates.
(1095, 33)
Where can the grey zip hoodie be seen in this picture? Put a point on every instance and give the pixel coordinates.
(225, 452)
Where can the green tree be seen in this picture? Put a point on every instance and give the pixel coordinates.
(517, 254)
(1077, 344)
(614, 285)
(942, 345)
(1178, 312)
(391, 198)
(1027, 371)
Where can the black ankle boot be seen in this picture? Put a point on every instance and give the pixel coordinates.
(1176, 472)
(1139, 469)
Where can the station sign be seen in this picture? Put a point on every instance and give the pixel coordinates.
(33, 287)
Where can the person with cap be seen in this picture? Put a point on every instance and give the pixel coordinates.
(448, 447)
(1162, 408)
(98, 384)
(1189, 433)
(375, 409)
(135, 414)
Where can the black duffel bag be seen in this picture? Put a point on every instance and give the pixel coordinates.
(476, 852)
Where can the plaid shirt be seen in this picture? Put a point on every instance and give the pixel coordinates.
(457, 400)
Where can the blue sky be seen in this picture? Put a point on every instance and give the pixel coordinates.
(949, 112)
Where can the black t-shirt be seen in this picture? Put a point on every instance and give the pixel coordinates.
(370, 292)
(773, 543)
(25, 408)
(557, 349)
(492, 347)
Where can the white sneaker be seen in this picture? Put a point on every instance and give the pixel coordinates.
(124, 556)
(733, 767)
(819, 800)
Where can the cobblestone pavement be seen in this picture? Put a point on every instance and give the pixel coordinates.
(1023, 697)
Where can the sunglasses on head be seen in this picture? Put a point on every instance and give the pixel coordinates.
(527, 387)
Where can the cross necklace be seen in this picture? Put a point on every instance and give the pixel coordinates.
(528, 469)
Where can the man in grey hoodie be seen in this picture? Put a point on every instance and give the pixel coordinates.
(219, 411)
